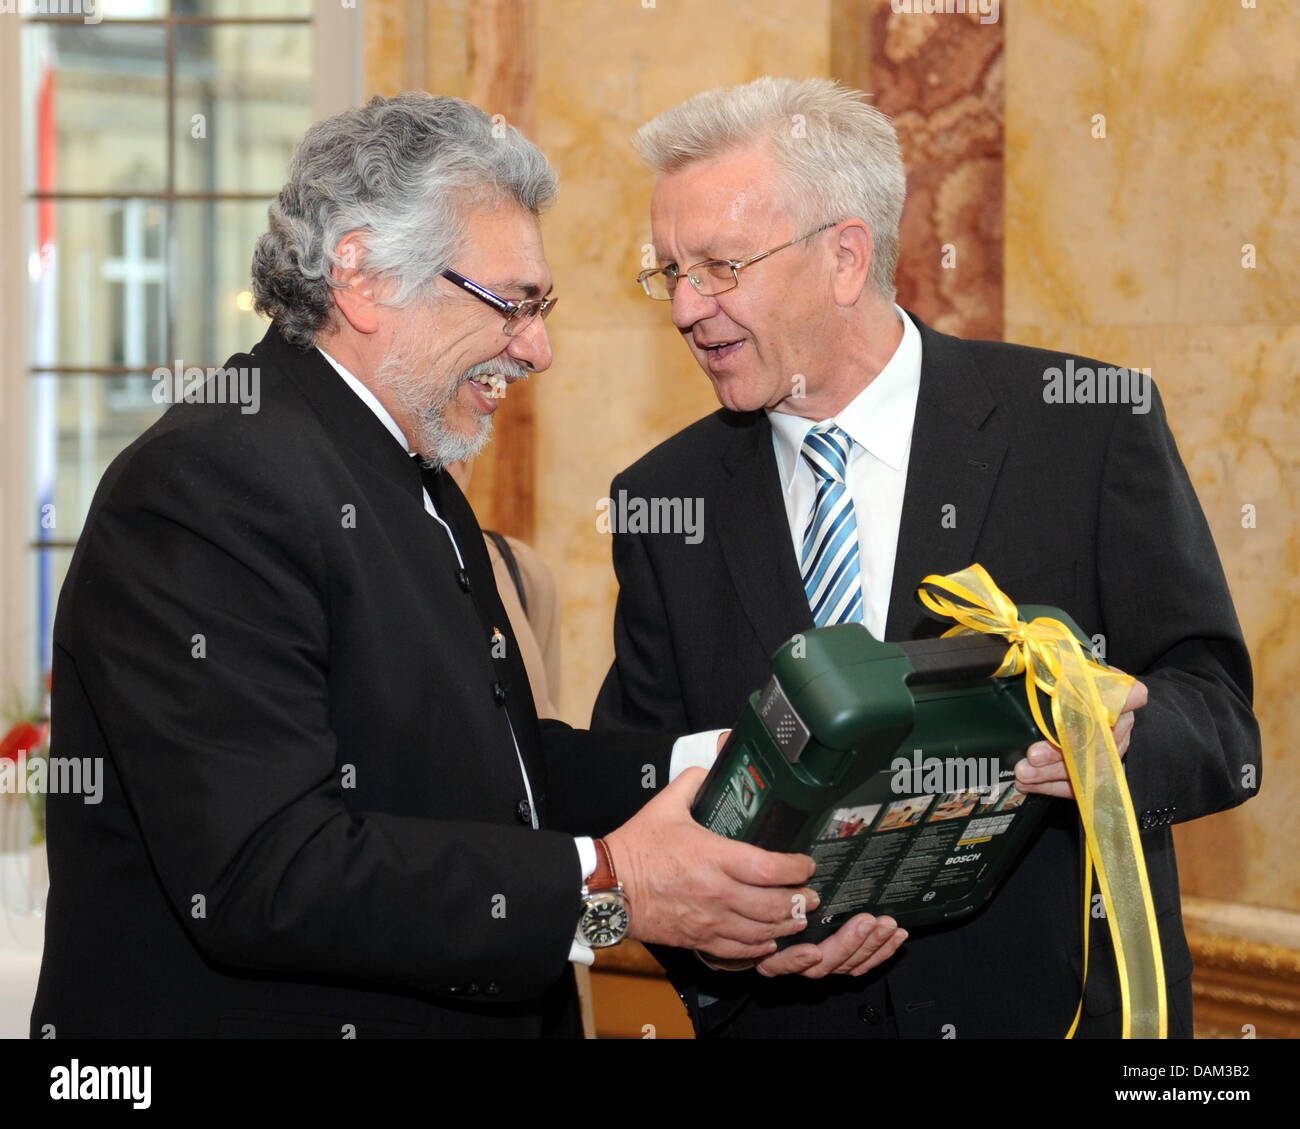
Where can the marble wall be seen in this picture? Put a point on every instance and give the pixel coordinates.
(622, 380)
(1131, 247)
(1127, 243)
(940, 77)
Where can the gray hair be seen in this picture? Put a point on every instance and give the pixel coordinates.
(840, 156)
(402, 170)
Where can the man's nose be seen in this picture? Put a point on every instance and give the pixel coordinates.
(690, 306)
(531, 346)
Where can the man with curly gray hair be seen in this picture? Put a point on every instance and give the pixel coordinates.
(380, 195)
(330, 807)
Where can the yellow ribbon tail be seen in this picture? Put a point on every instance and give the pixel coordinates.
(1086, 700)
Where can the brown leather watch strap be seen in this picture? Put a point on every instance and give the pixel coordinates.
(603, 877)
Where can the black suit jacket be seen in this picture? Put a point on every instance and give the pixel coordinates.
(1085, 507)
(314, 819)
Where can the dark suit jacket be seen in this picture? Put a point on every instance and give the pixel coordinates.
(1085, 507)
(314, 814)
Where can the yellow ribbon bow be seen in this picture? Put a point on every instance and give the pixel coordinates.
(1087, 699)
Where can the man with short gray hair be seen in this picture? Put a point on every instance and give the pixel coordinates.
(330, 808)
(857, 451)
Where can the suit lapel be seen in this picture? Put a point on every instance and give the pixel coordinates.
(457, 512)
(952, 464)
(345, 416)
(351, 422)
(755, 536)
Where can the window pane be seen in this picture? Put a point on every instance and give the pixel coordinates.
(97, 107)
(48, 569)
(131, 9)
(79, 423)
(261, 8)
(243, 100)
(214, 303)
(98, 282)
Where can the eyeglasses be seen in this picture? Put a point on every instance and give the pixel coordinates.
(713, 276)
(518, 315)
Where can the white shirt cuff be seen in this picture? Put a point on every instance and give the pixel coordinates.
(578, 952)
(695, 750)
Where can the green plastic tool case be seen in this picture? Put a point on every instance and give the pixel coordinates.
(891, 764)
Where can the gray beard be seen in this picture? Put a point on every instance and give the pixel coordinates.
(437, 444)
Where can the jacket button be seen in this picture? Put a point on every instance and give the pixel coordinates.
(524, 810)
(499, 693)
(462, 578)
(869, 1014)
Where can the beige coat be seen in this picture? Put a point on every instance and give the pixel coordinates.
(538, 633)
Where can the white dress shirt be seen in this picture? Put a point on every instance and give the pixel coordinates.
(586, 848)
(879, 421)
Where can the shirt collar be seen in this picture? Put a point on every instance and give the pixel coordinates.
(371, 401)
(878, 419)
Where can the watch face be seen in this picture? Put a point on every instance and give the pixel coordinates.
(604, 922)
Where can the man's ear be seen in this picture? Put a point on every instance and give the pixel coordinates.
(354, 291)
(853, 250)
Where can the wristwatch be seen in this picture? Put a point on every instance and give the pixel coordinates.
(606, 912)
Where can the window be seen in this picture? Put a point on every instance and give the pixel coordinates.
(155, 134)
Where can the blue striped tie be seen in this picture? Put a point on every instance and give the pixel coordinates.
(831, 573)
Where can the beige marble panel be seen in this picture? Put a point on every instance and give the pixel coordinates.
(622, 380)
(1201, 149)
(1130, 249)
(418, 45)
(386, 60)
(600, 407)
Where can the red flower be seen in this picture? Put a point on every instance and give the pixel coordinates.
(21, 740)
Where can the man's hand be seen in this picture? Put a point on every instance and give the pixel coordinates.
(696, 890)
(1043, 769)
(856, 947)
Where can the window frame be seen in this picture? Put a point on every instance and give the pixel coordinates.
(338, 82)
